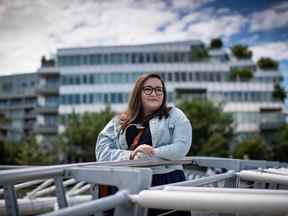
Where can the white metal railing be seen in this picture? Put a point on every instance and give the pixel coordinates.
(80, 180)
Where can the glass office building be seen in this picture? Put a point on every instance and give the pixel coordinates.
(93, 77)
(90, 78)
(18, 101)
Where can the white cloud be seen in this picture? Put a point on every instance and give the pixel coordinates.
(30, 28)
(33, 28)
(275, 50)
(191, 4)
(224, 26)
(275, 17)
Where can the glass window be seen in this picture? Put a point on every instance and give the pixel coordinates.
(91, 101)
(170, 76)
(85, 60)
(183, 76)
(77, 98)
(177, 76)
(197, 76)
(84, 79)
(84, 99)
(91, 79)
(106, 98)
(106, 59)
(155, 57)
(113, 98)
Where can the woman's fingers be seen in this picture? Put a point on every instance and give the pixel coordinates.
(146, 149)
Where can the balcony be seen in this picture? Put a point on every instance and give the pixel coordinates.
(46, 129)
(48, 71)
(47, 109)
(48, 89)
(271, 121)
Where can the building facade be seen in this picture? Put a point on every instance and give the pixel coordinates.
(46, 127)
(93, 77)
(18, 101)
(88, 79)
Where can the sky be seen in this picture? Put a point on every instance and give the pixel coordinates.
(30, 29)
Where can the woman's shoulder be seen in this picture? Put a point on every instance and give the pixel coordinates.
(176, 112)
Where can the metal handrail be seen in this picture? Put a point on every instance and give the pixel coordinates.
(93, 172)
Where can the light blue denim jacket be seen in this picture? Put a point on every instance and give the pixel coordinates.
(171, 139)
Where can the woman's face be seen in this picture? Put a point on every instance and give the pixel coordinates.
(152, 95)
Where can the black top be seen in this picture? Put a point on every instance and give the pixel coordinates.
(132, 131)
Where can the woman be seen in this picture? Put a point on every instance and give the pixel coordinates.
(148, 130)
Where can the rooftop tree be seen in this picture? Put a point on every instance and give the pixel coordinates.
(267, 64)
(241, 51)
(279, 92)
(241, 74)
(216, 43)
(198, 54)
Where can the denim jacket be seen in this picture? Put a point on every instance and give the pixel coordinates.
(171, 139)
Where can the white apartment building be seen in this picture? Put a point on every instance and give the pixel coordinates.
(93, 77)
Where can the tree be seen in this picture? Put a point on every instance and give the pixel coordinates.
(198, 54)
(216, 146)
(280, 144)
(267, 64)
(31, 153)
(254, 148)
(211, 127)
(241, 74)
(8, 152)
(216, 43)
(279, 92)
(241, 51)
(78, 140)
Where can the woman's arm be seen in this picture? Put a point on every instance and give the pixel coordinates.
(181, 142)
(106, 148)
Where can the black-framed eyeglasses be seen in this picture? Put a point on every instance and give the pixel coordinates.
(148, 90)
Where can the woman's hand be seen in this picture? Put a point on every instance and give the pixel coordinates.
(146, 149)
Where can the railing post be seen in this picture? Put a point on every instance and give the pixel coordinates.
(60, 192)
(132, 179)
(94, 190)
(11, 200)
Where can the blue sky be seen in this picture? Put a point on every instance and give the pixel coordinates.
(30, 28)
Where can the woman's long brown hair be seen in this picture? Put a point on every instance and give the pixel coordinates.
(135, 109)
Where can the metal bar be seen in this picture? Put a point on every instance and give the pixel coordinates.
(77, 186)
(79, 190)
(52, 188)
(219, 202)
(25, 174)
(40, 172)
(117, 176)
(227, 163)
(277, 171)
(40, 187)
(93, 206)
(226, 190)
(41, 205)
(263, 177)
(11, 200)
(60, 192)
(24, 185)
(200, 181)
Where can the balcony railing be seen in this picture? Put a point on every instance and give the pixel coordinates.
(48, 89)
(133, 179)
(46, 128)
